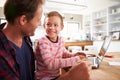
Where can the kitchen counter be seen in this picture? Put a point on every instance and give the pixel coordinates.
(78, 43)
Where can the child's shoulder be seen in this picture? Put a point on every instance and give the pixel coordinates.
(61, 38)
(42, 39)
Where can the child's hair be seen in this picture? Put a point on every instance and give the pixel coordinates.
(55, 13)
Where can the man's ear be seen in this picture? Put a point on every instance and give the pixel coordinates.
(22, 20)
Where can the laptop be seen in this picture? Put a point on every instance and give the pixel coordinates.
(97, 59)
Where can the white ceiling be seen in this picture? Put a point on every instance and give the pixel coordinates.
(65, 5)
(78, 6)
(75, 6)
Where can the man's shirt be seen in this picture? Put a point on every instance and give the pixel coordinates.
(9, 67)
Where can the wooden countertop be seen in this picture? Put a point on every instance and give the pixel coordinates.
(78, 43)
(106, 71)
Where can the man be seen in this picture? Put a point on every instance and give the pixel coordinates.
(16, 53)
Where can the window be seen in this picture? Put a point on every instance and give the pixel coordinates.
(73, 27)
(71, 30)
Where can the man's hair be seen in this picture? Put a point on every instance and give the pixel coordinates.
(16, 8)
(55, 13)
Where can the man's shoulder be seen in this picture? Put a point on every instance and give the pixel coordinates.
(2, 25)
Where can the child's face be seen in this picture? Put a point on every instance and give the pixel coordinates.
(53, 26)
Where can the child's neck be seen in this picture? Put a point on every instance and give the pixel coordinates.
(53, 40)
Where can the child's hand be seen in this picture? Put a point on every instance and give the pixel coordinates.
(80, 53)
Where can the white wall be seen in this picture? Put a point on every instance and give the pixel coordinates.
(2, 2)
(38, 33)
(1, 8)
(1, 12)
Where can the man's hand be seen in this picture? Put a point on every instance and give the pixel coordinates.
(80, 71)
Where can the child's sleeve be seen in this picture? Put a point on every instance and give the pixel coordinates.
(53, 62)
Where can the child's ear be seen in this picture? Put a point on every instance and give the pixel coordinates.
(44, 25)
(62, 26)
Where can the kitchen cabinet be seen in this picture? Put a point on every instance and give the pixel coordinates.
(114, 21)
(105, 22)
(87, 23)
(99, 24)
(87, 26)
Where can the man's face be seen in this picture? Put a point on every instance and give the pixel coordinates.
(31, 26)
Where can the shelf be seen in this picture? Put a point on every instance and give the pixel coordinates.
(114, 31)
(114, 14)
(99, 25)
(114, 22)
(96, 32)
(99, 18)
(105, 21)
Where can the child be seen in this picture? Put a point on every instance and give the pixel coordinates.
(51, 54)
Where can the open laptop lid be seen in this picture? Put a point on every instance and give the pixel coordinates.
(104, 48)
(98, 59)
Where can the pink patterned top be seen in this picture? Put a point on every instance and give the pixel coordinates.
(49, 58)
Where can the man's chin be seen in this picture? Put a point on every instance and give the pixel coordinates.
(31, 34)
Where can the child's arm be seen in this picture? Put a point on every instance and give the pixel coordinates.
(55, 62)
(67, 54)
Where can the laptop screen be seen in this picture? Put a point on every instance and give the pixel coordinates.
(105, 45)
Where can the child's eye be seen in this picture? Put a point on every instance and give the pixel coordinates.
(48, 25)
(55, 25)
